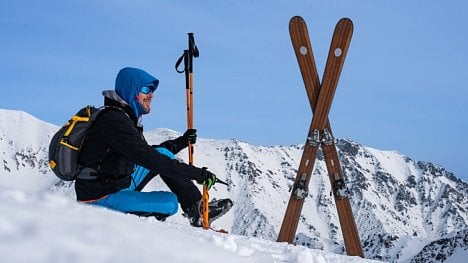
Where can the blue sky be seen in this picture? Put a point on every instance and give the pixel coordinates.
(403, 85)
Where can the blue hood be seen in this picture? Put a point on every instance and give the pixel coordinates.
(128, 84)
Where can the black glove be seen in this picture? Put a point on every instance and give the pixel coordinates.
(207, 178)
(190, 136)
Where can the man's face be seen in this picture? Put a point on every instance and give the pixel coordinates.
(145, 101)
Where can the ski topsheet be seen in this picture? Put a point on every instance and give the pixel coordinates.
(320, 119)
(320, 133)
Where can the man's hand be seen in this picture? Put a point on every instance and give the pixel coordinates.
(190, 135)
(207, 178)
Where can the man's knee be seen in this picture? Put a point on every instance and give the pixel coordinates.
(173, 204)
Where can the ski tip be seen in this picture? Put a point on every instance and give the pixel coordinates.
(346, 20)
(297, 23)
(345, 26)
(296, 19)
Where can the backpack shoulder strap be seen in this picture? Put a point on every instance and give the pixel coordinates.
(108, 108)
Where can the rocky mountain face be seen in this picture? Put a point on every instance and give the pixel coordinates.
(405, 210)
(440, 250)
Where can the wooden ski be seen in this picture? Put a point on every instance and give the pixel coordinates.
(320, 133)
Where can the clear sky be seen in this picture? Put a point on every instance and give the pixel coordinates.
(403, 85)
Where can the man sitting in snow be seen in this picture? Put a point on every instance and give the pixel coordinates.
(125, 163)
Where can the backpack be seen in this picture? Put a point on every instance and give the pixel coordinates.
(66, 144)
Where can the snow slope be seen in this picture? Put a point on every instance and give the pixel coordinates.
(42, 224)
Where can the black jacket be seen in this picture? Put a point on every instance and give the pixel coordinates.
(115, 144)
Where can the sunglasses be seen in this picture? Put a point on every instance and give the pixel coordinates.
(147, 90)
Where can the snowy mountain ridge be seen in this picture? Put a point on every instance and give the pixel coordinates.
(405, 210)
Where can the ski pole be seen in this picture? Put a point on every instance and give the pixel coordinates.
(221, 182)
(188, 56)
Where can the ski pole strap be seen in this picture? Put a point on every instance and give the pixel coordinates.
(179, 61)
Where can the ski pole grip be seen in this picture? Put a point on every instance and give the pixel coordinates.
(192, 47)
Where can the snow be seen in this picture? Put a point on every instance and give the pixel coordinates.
(31, 135)
(457, 257)
(40, 221)
(391, 161)
(41, 225)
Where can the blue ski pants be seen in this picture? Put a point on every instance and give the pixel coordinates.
(131, 200)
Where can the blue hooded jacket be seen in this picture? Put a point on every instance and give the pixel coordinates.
(128, 84)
